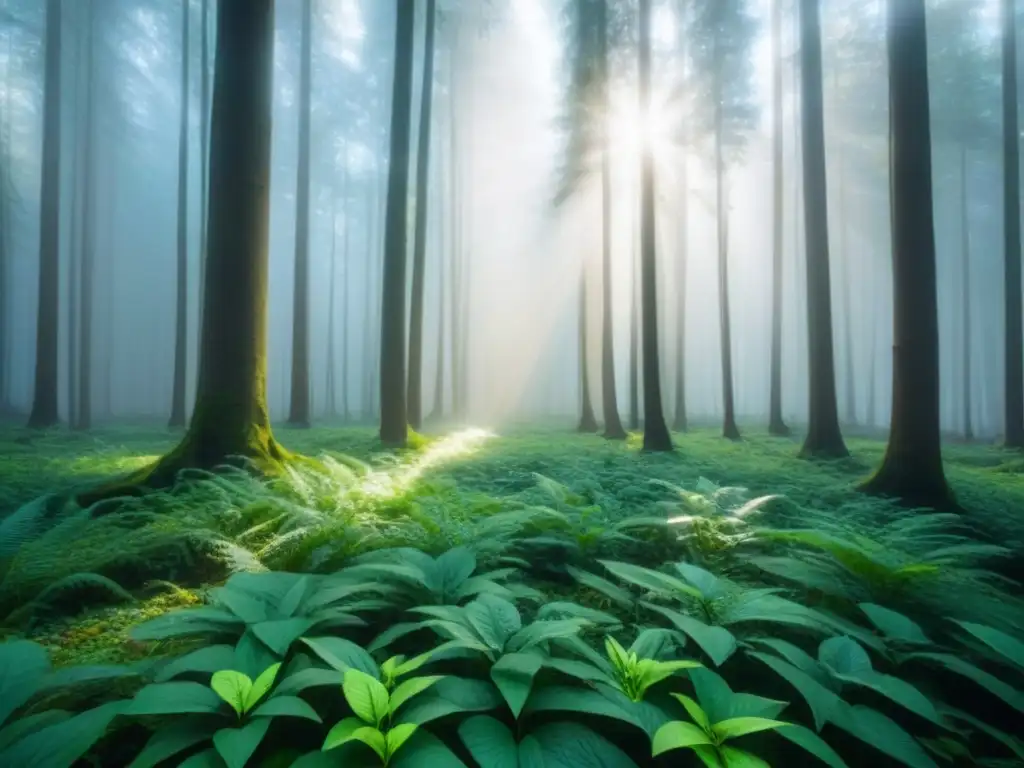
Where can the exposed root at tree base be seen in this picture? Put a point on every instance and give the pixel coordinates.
(911, 493)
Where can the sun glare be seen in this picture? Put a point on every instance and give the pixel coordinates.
(629, 132)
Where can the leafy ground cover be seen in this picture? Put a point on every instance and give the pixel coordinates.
(529, 598)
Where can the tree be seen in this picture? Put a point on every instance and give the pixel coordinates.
(181, 299)
(204, 140)
(823, 435)
(298, 413)
(588, 421)
(912, 466)
(776, 424)
(230, 418)
(393, 423)
(331, 384)
(656, 435)
(44, 397)
(1014, 320)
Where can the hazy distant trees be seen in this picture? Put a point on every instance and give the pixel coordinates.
(776, 424)
(393, 416)
(912, 467)
(823, 435)
(44, 399)
(181, 292)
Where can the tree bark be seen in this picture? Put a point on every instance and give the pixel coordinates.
(776, 424)
(330, 384)
(299, 409)
(181, 298)
(1014, 333)
(634, 331)
(588, 421)
(656, 434)
(414, 394)
(393, 416)
(844, 278)
(912, 469)
(204, 143)
(346, 300)
(965, 295)
(44, 397)
(824, 438)
(83, 419)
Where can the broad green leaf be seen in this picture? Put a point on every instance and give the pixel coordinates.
(739, 758)
(208, 758)
(188, 622)
(23, 665)
(717, 642)
(261, 685)
(1012, 743)
(237, 745)
(252, 655)
(578, 669)
(454, 567)
(653, 672)
(279, 634)
(174, 699)
(735, 727)
(233, 687)
(612, 591)
(513, 673)
(366, 695)
(494, 619)
(572, 745)
(657, 643)
(410, 688)
(560, 609)
(342, 654)
(489, 742)
(693, 709)
(709, 585)
(425, 749)
(877, 730)
(353, 729)
(601, 701)
(26, 724)
(709, 756)
(902, 693)
(210, 659)
(247, 608)
(678, 735)
(62, 744)
(821, 701)
(798, 658)
(720, 703)
(397, 736)
(286, 706)
(650, 580)
(844, 657)
(542, 630)
(813, 744)
(989, 682)
(617, 655)
(292, 598)
(392, 633)
(172, 739)
(1010, 648)
(449, 696)
(893, 625)
(313, 677)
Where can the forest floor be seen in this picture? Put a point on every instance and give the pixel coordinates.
(452, 489)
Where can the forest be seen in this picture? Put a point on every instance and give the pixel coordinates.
(511, 383)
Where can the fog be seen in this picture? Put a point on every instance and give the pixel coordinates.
(512, 253)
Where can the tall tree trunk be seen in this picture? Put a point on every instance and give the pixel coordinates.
(912, 467)
(298, 413)
(181, 301)
(6, 193)
(437, 411)
(83, 419)
(845, 279)
(73, 277)
(393, 422)
(455, 193)
(872, 410)
(331, 384)
(776, 424)
(588, 421)
(204, 143)
(679, 421)
(634, 329)
(656, 435)
(414, 394)
(44, 396)
(346, 298)
(965, 295)
(230, 417)
(823, 435)
(1014, 332)
(368, 293)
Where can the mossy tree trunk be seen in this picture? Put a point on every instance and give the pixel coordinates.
(44, 396)
(1013, 369)
(656, 434)
(912, 469)
(394, 427)
(181, 290)
(776, 424)
(298, 413)
(414, 393)
(823, 438)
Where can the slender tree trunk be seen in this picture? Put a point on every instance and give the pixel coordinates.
(776, 424)
(204, 143)
(368, 293)
(456, 234)
(346, 298)
(393, 423)
(88, 264)
(414, 394)
(73, 277)
(299, 408)
(912, 467)
(331, 385)
(823, 435)
(634, 331)
(965, 295)
(1014, 332)
(181, 301)
(656, 434)
(6, 193)
(588, 421)
(437, 412)
(44, 397)
(872, 410)
(844, 278)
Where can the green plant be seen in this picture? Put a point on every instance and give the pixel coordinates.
(493, 745)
